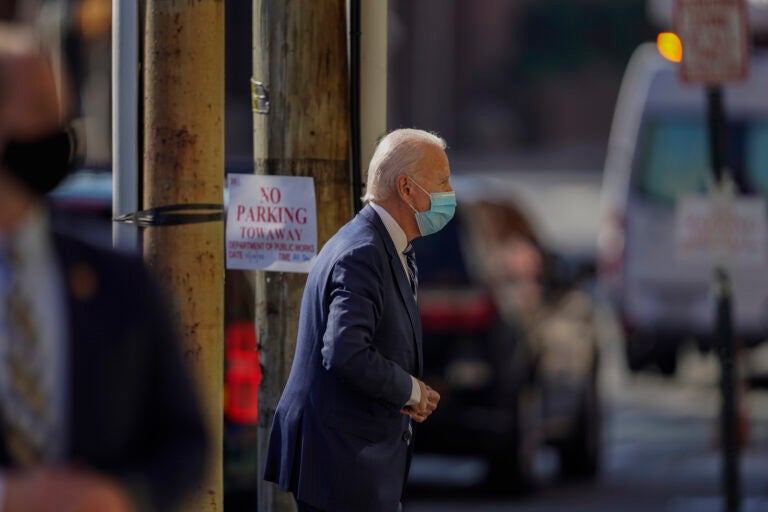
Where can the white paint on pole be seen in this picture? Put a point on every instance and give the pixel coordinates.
(715, 37)
(271, 223)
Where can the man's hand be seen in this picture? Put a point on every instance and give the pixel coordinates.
(64, 490)
(429, 400)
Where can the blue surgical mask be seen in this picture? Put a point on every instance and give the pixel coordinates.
(441, 210)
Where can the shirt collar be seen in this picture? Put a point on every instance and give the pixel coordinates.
(31, 238)
(396, 233)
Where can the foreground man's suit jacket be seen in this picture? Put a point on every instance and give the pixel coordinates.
(339, 441)
(133, 413)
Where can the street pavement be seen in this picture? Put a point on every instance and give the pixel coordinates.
(660, 450)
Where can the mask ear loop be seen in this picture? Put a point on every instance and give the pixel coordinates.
(422, 189)
(417, 184)
(404, 193)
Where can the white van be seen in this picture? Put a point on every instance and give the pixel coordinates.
(658, 150)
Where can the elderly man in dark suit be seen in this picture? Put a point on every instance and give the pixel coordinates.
(97, 411)
(342, 433)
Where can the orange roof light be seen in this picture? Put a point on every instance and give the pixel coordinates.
(670, 46)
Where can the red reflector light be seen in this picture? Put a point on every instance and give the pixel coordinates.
(444, 312)
(243, 374)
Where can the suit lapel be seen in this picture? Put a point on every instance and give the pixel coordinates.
(78, 352)
(403, 285)
(398, 273)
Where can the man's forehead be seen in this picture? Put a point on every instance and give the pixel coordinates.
(18, 40)
(438, 166)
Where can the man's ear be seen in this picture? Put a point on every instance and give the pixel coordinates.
(403, 187)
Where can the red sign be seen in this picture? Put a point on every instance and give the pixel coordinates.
(715, 38)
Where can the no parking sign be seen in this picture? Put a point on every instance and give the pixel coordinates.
(271, 223)
(715, 38)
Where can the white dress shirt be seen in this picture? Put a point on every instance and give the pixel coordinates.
(400, 242)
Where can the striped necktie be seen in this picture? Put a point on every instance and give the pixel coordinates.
(413, 272)
(26, 406)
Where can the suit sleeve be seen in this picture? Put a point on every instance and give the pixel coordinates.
(356, 304)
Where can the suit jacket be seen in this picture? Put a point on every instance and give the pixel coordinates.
(339, 441)
(133, 413)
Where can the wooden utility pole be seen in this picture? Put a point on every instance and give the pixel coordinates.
(184, 166)
(301, 128)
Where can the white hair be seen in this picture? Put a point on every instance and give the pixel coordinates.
(399, 152)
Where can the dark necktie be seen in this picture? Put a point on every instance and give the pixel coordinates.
(25, 404)
(413, 272)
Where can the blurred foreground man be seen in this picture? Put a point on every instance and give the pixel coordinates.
(97, 412)
(342, 436)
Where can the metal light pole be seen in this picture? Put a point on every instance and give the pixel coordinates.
(373, 78)
(125, 118)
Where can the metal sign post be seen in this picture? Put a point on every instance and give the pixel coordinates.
(714, 35)
(722, 199)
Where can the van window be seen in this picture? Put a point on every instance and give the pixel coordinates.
(757, 156)
(673, 157)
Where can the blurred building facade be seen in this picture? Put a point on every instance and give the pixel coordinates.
(500, 77)
(494, 77)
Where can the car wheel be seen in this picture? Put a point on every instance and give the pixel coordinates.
(513, 470)
(666, 359)
(640, 348)
(580, 452)
(645, 349)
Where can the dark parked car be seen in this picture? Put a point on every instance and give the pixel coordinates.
(509, 343)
